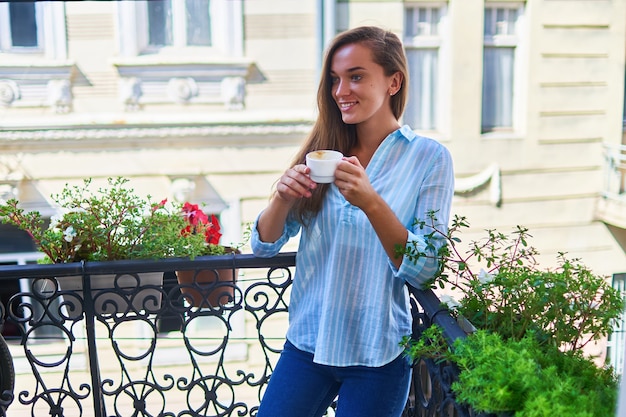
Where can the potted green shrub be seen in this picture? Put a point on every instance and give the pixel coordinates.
(526, 356)
(107, 224)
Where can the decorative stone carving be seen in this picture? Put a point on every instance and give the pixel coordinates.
(182, 188)
(187, 81)
(130, 93)
(490, 175)
(10, 177)
(233, 90)
(60, 95)
(8, 191)
(9, 92)
(181, 90)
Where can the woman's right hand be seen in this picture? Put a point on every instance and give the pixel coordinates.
(295, 183)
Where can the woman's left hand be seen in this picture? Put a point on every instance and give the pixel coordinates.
(355, 186)
(353, 183)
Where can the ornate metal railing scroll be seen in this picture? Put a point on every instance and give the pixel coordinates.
(139, 347)
(431, 393)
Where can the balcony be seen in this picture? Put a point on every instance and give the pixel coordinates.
(142, 349)
(611, 205)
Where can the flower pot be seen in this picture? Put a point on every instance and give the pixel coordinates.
(114, 293)
(208, 287)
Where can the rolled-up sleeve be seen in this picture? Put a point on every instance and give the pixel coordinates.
(269, 249)
(417, 271)
(435, 198)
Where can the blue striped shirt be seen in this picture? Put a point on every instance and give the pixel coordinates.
(349, 304)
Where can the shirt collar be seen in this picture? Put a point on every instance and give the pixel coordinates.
(407, 133)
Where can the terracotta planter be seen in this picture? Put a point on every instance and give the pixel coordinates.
(208, 287)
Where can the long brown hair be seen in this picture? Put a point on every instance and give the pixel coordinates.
(329, 131)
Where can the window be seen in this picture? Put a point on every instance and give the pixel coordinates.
(617, 339)
(159, 26)
(19, 23)
(33, 28)
(33, 47)
(23, 23)
(501, 29)
(422, 39)
(185, 23)
(184, 52)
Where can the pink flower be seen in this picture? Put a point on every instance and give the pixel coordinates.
(156, 206)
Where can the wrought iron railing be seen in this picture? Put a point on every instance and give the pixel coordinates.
(142, 348)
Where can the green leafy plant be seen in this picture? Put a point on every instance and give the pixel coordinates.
(533, 323)
(530, 379)
(176, 230)
(113, 223)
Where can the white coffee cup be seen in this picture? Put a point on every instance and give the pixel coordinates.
(322, 164)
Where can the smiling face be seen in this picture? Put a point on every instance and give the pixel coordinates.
(360, 87)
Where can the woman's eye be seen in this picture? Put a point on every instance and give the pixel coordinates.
(356, 78)
(334, 80)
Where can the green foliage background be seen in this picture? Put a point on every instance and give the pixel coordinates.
(526, 357)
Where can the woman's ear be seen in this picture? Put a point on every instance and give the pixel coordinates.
(396, 83)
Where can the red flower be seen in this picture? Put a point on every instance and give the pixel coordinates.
(198, 222)
(212, 231)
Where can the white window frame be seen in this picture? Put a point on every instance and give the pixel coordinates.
(514, 41)
(179, 25)
(617, 339)
(624, 104)
(6, 42)
(438, 42)
(226, 30)
(51, 32)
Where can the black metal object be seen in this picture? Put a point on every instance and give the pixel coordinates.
(431, 388)
(7, 377)
(126, 371)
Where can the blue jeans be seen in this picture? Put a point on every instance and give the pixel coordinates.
(300, 388)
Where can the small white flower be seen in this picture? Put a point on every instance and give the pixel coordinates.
(69, 234)
(485, 277)
(54, 221)
(449, 301)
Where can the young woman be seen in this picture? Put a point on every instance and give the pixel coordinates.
(349, 305)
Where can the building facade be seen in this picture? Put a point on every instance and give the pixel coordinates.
(208, 101)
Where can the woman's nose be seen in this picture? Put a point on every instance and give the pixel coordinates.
(341, 88)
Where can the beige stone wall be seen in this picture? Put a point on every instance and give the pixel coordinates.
(280, 36)
(92, 44)
(552, 171)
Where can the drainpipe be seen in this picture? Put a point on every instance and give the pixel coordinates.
(330, 20)
(326, 27)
